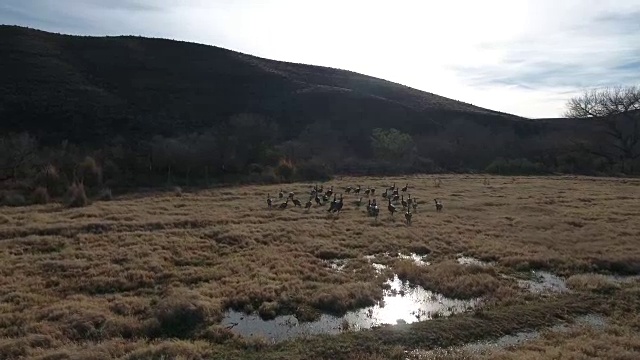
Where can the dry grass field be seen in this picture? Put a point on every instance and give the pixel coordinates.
(150, 276)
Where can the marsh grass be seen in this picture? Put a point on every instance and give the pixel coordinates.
(151, 275)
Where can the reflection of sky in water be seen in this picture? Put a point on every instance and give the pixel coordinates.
(544, 281)
(401, 303)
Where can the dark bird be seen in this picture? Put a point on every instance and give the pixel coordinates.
(407, 216)
(309, 203)
(284, 204)
(333, 204)
(438, 205)
(392, 209)
(269, 201)
(338, 207)
(404, 189)
(297, 202)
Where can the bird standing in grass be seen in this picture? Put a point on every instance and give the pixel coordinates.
(338, 207)
(308, 204)
(284, 205)
(391, 208)
(269, 201)
(407, 216)
(403, 202)
(297, 203)
(404, 189)
(333, 204)
(281, 194)
(348, 189)
(438, 205)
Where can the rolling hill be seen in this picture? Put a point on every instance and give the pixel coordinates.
(88, 89)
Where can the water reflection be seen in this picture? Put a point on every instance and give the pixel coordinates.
(467, 260)
(401, 304)
(544, 282)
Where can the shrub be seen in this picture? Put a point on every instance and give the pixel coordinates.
(76, 196)
(14, 199)
(40, 195)
(90, 173)
(313, 171)
(105, 195)
(51, 179)
(285, 170)
(255, 168)
(180, 316)
(514, 167)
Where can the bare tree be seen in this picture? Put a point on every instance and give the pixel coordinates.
(618, 110)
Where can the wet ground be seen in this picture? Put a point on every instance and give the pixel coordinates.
(481, 347)
(402, 303)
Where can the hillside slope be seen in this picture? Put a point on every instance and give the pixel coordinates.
(90, 89)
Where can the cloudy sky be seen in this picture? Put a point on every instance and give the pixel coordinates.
(525, 57)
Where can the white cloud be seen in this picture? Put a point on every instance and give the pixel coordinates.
(520, 56)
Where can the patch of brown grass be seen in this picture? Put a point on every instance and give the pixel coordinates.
(592, 282)
(451, 279)
(100, 280)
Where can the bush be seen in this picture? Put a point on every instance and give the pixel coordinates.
(105, 195)
(51, 179)
(313, 171)
(180, 316)
(90, 173)
(502, 166)
(76, 196)
(255, 168)
(40, 195)
(14, 199)
(285, 170)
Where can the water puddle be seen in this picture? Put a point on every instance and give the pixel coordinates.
(417, 259)
(468, 260)
(544, 281)
(401, 304)
(481, 347)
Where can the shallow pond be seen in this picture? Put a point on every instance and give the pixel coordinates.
(401, 304)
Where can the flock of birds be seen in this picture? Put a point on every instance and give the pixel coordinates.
(393, 195)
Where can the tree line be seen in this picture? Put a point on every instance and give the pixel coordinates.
(250, 148)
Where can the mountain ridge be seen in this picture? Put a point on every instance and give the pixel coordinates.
(119, 81)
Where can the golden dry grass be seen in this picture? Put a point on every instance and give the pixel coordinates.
(147, 275)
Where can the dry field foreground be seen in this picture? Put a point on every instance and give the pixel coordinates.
(151, 276)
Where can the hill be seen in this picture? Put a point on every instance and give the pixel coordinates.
(92, 88)
(150, 111)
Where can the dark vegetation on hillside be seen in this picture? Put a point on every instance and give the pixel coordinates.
(136, 112)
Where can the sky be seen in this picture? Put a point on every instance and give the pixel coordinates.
(525, 57)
